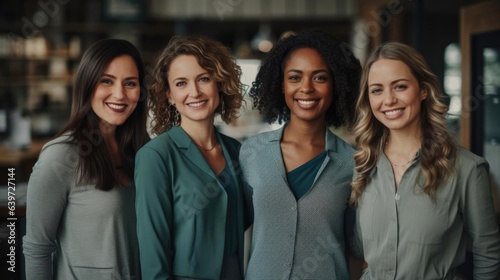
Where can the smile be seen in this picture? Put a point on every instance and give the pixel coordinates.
(116, 107)
(393, 112)
(197, 104)
(306, 102)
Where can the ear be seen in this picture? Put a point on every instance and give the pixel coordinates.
(423, 94)
(169, 97)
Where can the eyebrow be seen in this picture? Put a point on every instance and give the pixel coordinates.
(197, 76)
(393, 82)
(114, 77)
(314, 72)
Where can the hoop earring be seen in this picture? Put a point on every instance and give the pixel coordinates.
(175, 117)
(221, 104)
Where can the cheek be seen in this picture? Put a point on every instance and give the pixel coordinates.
(135, 95)
(374, 103)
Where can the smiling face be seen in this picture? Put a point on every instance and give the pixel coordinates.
(193, 90)
(395, 95)
(117, 92)
(307, 85)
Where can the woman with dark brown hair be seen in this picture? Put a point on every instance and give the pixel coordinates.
(189, 193)
(81, 222)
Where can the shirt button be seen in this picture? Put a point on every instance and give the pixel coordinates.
(291, 235)
(397, 196)
(293, 208)
(288, 265)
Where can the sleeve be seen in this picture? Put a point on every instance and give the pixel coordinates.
(247, 190)
(154, 214)
(481, 224)
(353, 228)
(52, 175)
(356, 241)
(248, 200)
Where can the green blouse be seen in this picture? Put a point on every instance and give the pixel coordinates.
(301, 178)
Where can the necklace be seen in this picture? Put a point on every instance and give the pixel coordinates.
(402, 164)
(207, 150)
(398, 164)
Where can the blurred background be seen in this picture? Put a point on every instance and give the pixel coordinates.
(41, 43)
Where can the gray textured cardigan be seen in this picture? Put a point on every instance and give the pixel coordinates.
(293, 239)
(77, 232)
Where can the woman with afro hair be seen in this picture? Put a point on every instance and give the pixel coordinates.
(301, 173)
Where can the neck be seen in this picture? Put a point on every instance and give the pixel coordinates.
(305, 133)
(202, 134)
(404, 141)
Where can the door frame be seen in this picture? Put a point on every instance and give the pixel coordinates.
(474, 19)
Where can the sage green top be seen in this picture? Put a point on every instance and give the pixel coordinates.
(405, 235)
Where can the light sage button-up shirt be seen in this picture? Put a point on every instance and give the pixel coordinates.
(405, 235)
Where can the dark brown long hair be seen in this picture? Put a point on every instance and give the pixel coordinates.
(95, 164)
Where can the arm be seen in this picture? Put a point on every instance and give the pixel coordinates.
(353, 253)
(481, 224)
(247, 197)
(353, 242)
(154, 214)
(247, 189)
(46, 201)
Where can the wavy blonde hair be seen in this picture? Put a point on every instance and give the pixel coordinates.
(439, 147)
(212, 56)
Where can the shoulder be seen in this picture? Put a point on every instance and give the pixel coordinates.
(467, 161)
(230, 141)
(159, 143)
(262, 138)
(59, 148)
(339, 145)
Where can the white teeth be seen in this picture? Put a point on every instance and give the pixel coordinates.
(116, 106)
(197, 104)
(394, 112)
(306, 102)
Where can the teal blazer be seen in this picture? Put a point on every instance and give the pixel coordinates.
(181, 207)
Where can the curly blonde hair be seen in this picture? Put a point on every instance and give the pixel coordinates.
(439, 147)
(212, 56)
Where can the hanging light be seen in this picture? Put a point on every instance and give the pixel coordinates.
(263, 40)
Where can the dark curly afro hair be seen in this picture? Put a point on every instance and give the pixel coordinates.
(267, 89)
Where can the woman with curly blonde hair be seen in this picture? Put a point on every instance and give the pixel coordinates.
(189, 193)
(416, 190)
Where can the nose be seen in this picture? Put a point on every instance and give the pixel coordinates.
(119, 92)
(193, 90)
(306, 86)
(389, 97)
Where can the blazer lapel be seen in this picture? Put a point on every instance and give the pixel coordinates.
(275, 152)
(184, 142)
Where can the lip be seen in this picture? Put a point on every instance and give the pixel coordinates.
(197, 104)
(117, 107)
(393, 113)
(306, 103)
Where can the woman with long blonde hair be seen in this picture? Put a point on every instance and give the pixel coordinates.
(417, 192)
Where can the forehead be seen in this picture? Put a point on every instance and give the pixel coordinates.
(122, 62)
(389, 69)
(305, 56)
(184, 64)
